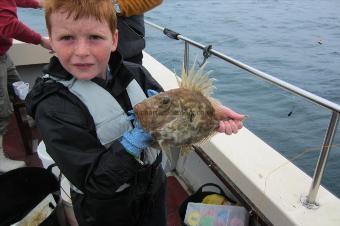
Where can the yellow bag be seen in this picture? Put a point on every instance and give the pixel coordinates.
(215, 199)
(131, 8)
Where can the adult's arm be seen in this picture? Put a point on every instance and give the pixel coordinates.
(136, 7)
(29, 3)
(11, 27)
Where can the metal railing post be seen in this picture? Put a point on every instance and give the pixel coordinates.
(186, 57)
(320, 166)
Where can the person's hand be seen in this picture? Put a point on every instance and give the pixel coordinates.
(40, 3)
(46, 44)
(151, 92)
(132, 117)
(135, 140)
(230, 121)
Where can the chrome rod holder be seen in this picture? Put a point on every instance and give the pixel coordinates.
(310, 202)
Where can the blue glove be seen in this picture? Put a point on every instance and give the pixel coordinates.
(135, 140)
(132, 117)
(151, 92)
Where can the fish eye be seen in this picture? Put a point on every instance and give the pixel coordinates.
(165, 100)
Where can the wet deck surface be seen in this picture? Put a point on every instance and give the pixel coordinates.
(14, 148)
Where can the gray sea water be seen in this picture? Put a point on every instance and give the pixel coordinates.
(296, 41)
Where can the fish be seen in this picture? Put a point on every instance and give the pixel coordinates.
(183, 116)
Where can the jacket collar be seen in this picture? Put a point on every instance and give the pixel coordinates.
(55, 69)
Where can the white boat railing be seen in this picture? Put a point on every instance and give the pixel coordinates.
(335, 108)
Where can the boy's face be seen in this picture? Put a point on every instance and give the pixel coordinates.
(82, 46)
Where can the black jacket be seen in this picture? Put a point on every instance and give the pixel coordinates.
(69, 133)
(131, 36)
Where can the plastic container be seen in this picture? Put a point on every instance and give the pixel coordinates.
(199, 214)
(21, 89)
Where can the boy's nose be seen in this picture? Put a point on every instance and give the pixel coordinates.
(81, 48)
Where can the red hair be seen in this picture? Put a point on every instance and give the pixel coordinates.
(102, 10)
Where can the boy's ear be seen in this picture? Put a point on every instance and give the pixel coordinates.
(115, 41)
(52, 43)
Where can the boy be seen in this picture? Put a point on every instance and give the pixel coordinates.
(80, 107)
(11, 27)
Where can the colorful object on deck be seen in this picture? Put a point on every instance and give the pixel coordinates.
(199, 214)
(215, 199)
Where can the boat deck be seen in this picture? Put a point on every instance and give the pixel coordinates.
(14, 148)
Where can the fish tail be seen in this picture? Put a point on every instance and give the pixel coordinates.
(169, 152)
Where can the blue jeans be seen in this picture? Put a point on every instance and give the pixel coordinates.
(8, 75)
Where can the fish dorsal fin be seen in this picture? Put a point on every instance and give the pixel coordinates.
(197, 80)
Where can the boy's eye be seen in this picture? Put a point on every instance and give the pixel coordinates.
(66, 37)
(95, 37)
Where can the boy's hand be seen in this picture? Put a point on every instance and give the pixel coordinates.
(151, 92)
(135, 140)
(230, 121)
